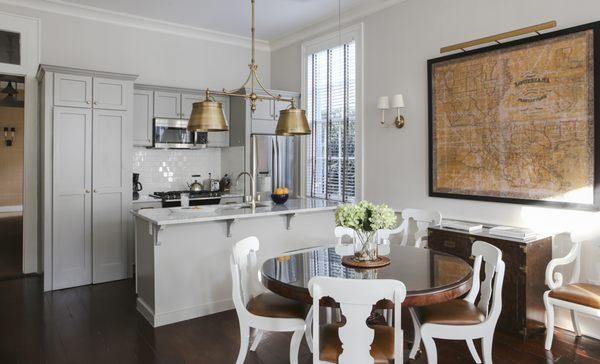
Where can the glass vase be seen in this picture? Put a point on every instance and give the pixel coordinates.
(365, 247)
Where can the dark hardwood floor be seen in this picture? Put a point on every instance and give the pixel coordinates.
(11, 245)
(99, 324)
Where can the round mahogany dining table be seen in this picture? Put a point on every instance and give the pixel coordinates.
(429, 276)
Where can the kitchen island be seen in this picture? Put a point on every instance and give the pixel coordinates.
(182, 254)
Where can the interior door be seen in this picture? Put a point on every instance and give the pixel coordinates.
(71, 198)
(167, 105)
(72, 90)
(111, 195)
(111, 94)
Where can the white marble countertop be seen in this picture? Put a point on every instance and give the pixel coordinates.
(194, 214)
(145, 199)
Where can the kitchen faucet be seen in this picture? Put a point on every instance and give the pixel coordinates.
(251, 174)
(252, 188)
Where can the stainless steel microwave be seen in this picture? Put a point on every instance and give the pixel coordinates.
(173, 134)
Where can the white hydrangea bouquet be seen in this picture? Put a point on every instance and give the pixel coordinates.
(365, 219)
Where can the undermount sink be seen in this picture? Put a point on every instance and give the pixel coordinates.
(246, 206)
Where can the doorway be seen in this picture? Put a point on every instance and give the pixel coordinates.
(12, 125)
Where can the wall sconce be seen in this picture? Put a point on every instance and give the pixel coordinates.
(9, 136)
(383, 103)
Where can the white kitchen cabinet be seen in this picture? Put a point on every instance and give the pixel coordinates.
(111, 94)
(71, 199)
(167, 104)
(220, 139)
(85, 175)
(72, 90)
(143, 113)
(187, 103)
(111, 195)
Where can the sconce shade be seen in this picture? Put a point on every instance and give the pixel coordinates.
(208, 116)
(383, 103)
(397, 101)
(292, 121)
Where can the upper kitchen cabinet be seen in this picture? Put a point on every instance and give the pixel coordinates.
(143, 112)
(220, 139)
(72, 90)
(172, 103)
(79, 90)
(111, 94)
(167, 105)
(244, 122)
(187, 103)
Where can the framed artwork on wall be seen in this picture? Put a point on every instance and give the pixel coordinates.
(517, 122)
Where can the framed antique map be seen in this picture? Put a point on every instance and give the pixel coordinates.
(516, 122)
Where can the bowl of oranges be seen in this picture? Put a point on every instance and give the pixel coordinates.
(280, 195)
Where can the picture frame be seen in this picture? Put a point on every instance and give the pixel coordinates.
(592, 171)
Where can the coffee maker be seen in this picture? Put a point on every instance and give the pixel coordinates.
(137, 186)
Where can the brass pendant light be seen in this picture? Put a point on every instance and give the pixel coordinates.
(208, 115)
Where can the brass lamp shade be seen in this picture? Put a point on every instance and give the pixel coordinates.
(208, 116)
(292, 122)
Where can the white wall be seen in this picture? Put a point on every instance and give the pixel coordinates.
(158, 58)
(397, 43)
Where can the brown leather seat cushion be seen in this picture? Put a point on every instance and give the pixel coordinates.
(455, 312)
(272, 305)
(382, 349)
(581, 293)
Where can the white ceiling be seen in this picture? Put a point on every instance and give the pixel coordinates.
(274, 18)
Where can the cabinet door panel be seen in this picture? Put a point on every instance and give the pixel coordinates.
(72, 90)
(187, 103)
(264, 110)
(167, 104)
(111, 94)
(143, 112)
(220, 139)
(111, 187)
(71, 200)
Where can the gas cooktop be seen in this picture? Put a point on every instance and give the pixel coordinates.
(176, 195)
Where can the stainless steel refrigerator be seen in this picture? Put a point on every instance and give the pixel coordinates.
(276, 164)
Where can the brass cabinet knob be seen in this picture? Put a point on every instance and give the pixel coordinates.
(87, 191)
(88, 102)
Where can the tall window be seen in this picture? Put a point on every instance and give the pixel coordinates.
(331, 111)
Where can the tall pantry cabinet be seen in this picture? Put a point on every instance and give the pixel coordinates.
(85, 164)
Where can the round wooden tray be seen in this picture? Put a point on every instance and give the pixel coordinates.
(349, 261)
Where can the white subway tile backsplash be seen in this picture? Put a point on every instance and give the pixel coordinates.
(171, 169)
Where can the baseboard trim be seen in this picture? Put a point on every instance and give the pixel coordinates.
(171, 317)
(13, 208)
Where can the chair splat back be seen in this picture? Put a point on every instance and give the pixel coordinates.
(246, 265)
(421, 218)
(356, 298)
(492, 258)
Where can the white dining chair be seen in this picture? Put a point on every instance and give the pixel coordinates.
(575, 296)
(422, 218)
(355, 342)
(256, 308)
(462, 319)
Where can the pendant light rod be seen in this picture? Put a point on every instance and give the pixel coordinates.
(252, 78)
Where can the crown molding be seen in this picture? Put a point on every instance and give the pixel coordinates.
(331, 22)
(134, 21)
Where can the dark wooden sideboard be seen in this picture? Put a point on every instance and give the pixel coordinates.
(522, 306)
